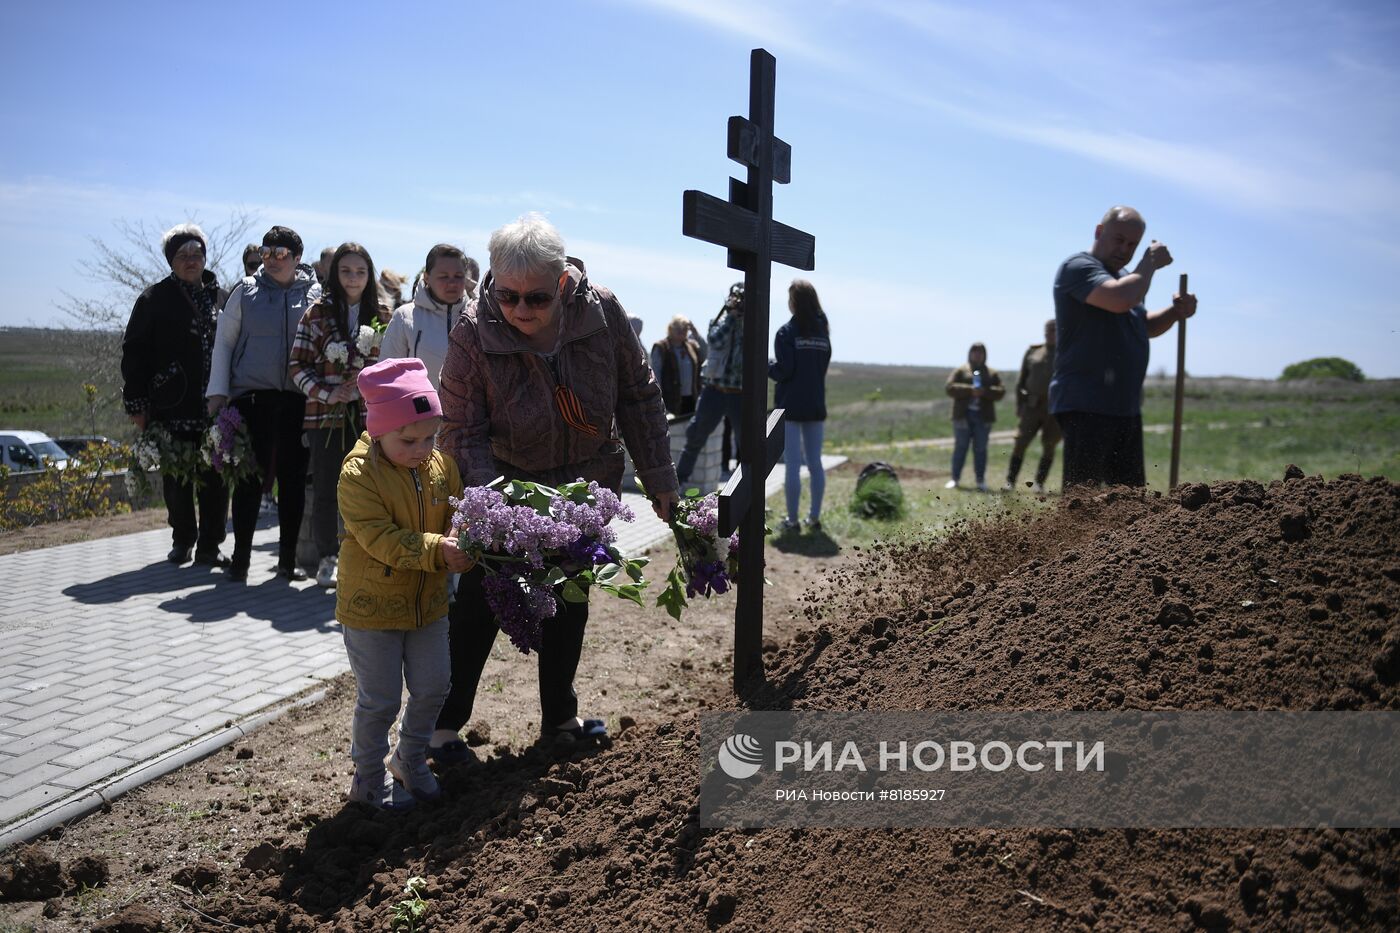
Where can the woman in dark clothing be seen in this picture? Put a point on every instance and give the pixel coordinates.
(165, 366)
(802, 349)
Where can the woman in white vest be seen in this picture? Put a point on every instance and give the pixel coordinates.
(420, 328)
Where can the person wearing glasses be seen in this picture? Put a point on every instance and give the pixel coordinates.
(250, 369)
(544, 381)
(165, 364)
(420, 328)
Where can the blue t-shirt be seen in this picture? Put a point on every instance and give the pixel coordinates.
(1100, 357)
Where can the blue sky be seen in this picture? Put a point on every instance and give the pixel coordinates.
(946, 157)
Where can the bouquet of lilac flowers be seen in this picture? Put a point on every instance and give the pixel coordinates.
(539, 544)
(707, 562)
(227, 448)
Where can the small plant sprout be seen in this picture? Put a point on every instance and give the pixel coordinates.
(411, 909)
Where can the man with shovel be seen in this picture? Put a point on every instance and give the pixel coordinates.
(1103, 329)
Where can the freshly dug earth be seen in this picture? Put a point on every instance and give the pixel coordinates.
(1234, 596)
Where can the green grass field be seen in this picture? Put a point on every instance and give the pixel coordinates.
(42, 373)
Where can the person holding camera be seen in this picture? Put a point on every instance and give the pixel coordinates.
(974, 388)
(721, 383)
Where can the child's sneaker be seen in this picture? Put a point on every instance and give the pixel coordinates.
(415, 776)
(325, 573)
(377, 791)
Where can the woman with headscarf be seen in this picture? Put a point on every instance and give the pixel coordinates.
(165, 365)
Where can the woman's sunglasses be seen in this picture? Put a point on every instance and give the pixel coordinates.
(509, 298)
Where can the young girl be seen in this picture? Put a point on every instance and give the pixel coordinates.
(332, 420)
(391, 592)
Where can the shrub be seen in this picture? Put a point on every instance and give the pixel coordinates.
(879, 497)
(81, 490)
(1324, 367)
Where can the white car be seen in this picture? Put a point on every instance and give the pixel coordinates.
(30, 450)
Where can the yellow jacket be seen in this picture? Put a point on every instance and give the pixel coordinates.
(391, 573)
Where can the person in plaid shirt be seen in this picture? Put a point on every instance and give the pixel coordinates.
(338, 336)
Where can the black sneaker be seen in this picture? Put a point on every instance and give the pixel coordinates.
(179, 555)
(237, 573)
(216, 559)
(293, 573)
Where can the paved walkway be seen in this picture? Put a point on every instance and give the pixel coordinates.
(114, 656)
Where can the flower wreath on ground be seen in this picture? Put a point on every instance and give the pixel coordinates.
(539, 544)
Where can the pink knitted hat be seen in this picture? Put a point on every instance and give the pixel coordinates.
(397, 392)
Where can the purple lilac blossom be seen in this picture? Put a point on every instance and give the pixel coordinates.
(707, 577)
(228, 422)
(520, 609)
(589, 551)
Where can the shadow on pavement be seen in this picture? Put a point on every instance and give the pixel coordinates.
(287, 608)
(158, 577)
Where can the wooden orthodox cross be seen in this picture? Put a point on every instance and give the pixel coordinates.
(744, 224)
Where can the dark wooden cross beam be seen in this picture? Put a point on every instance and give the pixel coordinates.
(744, 225)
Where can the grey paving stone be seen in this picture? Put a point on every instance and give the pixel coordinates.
(79, 778)
(90, 753)
(95, 733)
(46, 739)
(36, 710)
(148, 712)
(253, 703)
(95, 719)
(30, 778)
(55, 719)
(150, 748)
(243, 689)
(10, 765)
(139, 698)
(12, 808)
(158, 725)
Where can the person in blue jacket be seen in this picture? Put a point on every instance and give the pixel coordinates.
(802, 349)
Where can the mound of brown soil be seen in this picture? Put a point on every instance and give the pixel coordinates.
(1233, 596)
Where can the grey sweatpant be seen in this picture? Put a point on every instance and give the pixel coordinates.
(384, 662)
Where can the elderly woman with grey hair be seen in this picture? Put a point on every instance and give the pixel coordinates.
(165, 365)
(544, 381)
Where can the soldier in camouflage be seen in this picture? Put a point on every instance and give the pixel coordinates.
(1033, 411)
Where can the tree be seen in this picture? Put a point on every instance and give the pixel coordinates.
(128, 265)
(1324, 367)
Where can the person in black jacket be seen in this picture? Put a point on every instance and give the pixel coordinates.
(802, 349)
(165, 366)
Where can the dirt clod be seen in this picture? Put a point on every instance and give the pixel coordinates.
(200, 876)
(134, 918)
(28, 873)
(88, 871)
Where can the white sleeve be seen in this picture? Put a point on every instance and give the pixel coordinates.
(396, 344)
(225, 339)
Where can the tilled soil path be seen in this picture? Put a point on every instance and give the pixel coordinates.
(1234, 596)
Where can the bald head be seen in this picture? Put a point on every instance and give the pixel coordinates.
(1123, 214)
(1117, 236)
